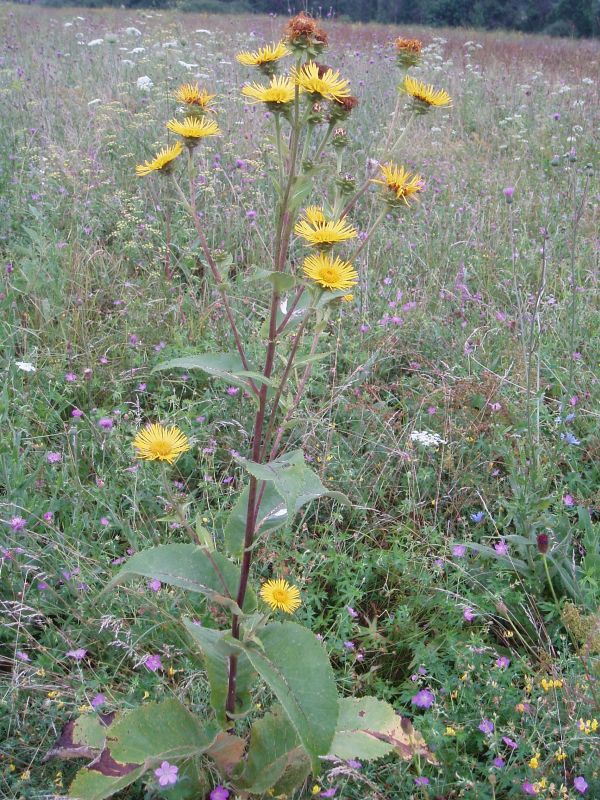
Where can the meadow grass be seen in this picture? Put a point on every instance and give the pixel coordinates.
(476, 320)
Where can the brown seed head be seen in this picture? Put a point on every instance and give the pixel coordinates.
(413, 45)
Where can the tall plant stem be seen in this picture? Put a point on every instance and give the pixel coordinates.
(282, 239)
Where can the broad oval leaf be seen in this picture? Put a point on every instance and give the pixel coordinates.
(360, 722)
(227, 366)
(189, 567)
(295, 666)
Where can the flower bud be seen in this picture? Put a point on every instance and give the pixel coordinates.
(543, 541)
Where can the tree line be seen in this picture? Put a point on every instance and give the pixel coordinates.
(555, 17)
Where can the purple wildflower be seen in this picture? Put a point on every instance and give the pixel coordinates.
(423, 699)
(503, 662)
(105, 423)
(166, 773)
(219, 793)
(510, 742)
(529, 788)
(421, 781)
(352, 762)
(469, 614)
(459, 550)
(54, 458)
(77, 412)
(154, 585)
(501, 547)
(98, 700)
(153, 663)
(486, 726)
(18, 523)
(77, 655)
(22, 656)
(580, 784)
(498, 762)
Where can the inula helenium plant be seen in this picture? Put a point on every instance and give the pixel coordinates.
(270, 748)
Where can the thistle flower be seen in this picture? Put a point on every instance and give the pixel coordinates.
(276, 96)
(192, 95)
(192, 129)
(157, 443)
(320, 82)
(162, 162)
(325, 233)
(424, 95)
(335, 275)
(398, 184)
(281, 595)
(265, 58)
(408, 52)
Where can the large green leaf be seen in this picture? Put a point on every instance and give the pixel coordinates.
(189, 567)
(227, 366)
(359, 724)
(272, 740)
(157, 731)
(216, 651)
(272, 514)
(290, 484)
(368, 728)
(89, 784)
(294, 664)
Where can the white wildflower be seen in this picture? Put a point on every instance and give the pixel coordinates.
(133, 31)
(95, 42)
(427, 439)
(144, 83)
(26, 366)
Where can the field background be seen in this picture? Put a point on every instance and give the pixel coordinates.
(460, 300)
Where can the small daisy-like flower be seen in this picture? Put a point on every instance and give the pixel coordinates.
(276, 95)
(157, 443)
(281, 595)
(335, 275)
(192, 129)
(265, 58)
(408, 52)
(325, 232)
(162, 162)
(399, 185)
(321, 82)
(424, 95)
(192, 95)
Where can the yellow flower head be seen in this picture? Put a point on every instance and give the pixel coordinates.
(424, 95)
(279, 594)
(162, 162)
(276, 95)
(335, 275)
(397, 181)
(321, 82)
(534, 762)
(314, 214)
(324, 233)
(157, 443)
(192, 129)
(264, 58)
(192, 95)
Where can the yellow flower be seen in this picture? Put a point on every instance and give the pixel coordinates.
(425, 95)
(264, 56)
(163, 161)
(193, 95)
(336, 275)
(276, 95)
(560, 755)
(320, 81)
(314, 214)
(157, 443)
(450, 731)
(534, 762)
(325, 232)
(279, 594)
(193, 128)
(348, 298)
(588, 726)
(400, 183)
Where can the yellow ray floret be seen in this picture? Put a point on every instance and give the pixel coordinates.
(335, 275)
(326, 232)
(397, 180)
(425, 93)
(279, 91)
(281, 595)
(163, 160)
(193, 95)
(194, 127)
(264, 55)
(316, 80)
(157, 443)
(314, 214)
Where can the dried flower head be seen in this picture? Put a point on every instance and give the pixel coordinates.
(303, 33)
(408, 52)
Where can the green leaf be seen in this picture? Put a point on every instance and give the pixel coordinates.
(296, 668)
(272, 741)
(227, 366)
(272, 514)
(189, 567)
(216, 651)
(282, 281)
(359, 723)
(89, 784)
(158, 731)
(294, 481)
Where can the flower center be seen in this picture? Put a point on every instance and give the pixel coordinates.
(161, 448)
